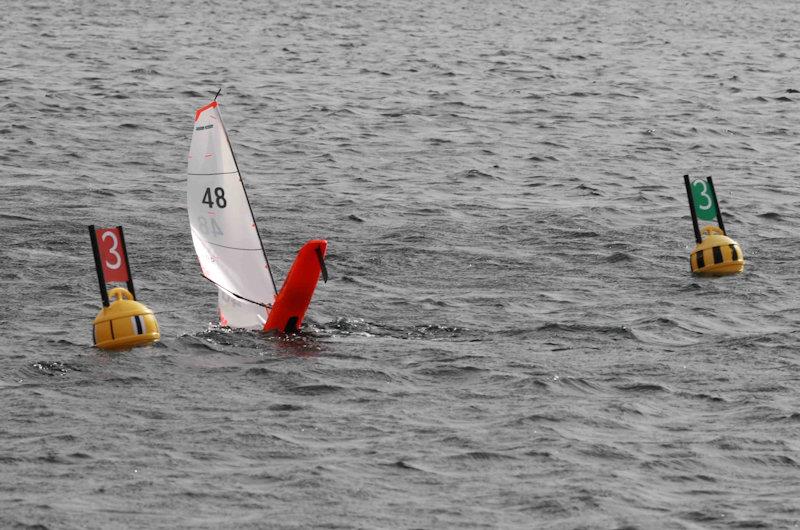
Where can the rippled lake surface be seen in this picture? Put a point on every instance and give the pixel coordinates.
(510, 338)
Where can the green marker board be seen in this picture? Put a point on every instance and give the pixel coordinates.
(703, 196)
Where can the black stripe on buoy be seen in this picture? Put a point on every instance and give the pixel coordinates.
(734, 254)
(717, 255)
(138, 320)
(700, 261)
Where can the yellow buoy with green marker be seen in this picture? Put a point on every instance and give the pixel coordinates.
(716, 254)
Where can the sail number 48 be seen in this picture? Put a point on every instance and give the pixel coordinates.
(219, 198)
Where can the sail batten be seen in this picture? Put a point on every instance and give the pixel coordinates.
(268, 306)
(224, 231)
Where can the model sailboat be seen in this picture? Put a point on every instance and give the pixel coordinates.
(228, 244)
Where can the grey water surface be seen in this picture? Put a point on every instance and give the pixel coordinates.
(510, 338)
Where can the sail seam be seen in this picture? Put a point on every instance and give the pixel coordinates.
(232, 248)
(212, 174)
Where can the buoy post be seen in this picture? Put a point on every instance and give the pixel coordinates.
(697, 236)
(128, 261)
(716, 204)
(97, 265)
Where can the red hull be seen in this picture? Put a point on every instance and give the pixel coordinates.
(292, 301)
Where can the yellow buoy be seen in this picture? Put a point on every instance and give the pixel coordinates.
(125, 323)
(717, 254)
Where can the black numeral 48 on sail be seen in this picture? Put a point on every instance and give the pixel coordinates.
(218, 198)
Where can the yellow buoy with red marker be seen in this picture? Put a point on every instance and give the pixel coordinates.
(125, 323)
(122, 322)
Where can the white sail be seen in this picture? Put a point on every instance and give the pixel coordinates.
(224, 232)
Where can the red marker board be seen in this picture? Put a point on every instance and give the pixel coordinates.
(110, 258)
(113, 255)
